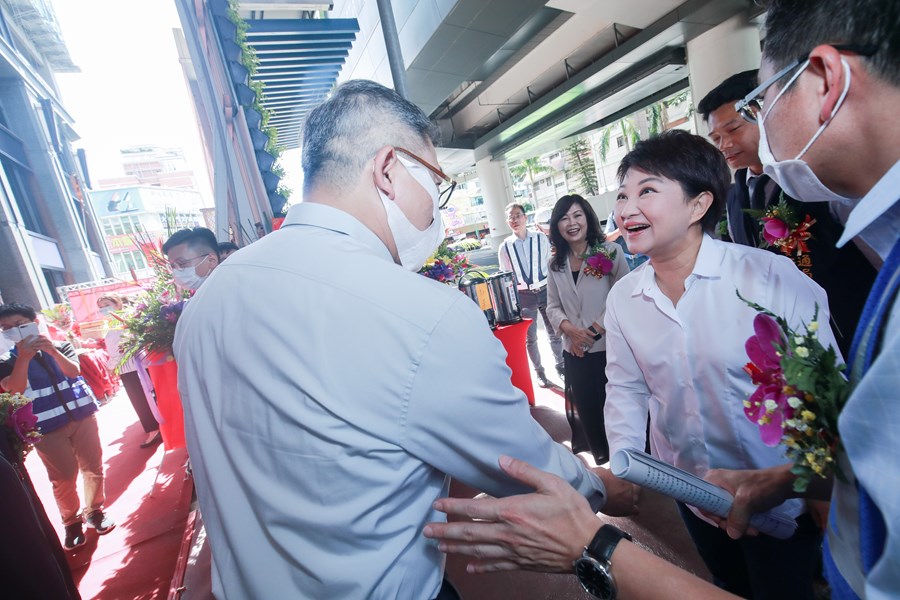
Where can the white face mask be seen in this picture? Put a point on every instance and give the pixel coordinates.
(188, 278)
(414, 245)
(19, 333)
(106, 310)
(796, 177)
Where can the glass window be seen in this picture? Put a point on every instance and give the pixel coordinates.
(117, 227)
(19, 187)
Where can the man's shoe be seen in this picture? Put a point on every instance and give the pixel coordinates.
(74, 536)
(543, 381)
(101, 522)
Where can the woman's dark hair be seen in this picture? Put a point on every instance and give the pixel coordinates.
(690, 160)
(594, 233)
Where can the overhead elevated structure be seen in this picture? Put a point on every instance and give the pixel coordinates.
(255, 69)
(513, 79)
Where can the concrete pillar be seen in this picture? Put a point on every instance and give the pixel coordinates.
(724, 50)
(497, 187)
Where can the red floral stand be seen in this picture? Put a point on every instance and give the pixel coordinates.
(164, 372)
(513, 339)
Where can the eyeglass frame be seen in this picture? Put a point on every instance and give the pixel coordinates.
(442, 200)
(742, 107)
(184, 262)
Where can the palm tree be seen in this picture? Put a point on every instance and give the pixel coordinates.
(658, 113)
(630, 134)
(529, 168)
(583, 169)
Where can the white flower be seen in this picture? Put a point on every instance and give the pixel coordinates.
(813, 326)
(802, 351)
(770, 405)
(799, 339)
(794, 402)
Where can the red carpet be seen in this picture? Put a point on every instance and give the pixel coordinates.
(148, 494)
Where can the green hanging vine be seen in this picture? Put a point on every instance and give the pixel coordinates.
(250, 61)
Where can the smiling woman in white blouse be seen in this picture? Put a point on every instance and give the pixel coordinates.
(677, 332)
(582, 272)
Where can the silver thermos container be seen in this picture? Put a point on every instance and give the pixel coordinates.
(477, 287)
(505, 298)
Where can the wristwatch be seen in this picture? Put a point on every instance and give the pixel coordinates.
(594, 568)
(597, 334)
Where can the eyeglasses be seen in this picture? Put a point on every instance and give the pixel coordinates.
(186, 262)
(445, 190)
(754, 98)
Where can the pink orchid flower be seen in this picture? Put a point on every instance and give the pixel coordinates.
(600, 262)
(767, 407)
(774, 229)
(22, 421)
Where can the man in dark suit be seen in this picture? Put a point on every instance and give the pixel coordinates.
(845, 273)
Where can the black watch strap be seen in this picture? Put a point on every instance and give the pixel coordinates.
(596, 333)
(605, 541)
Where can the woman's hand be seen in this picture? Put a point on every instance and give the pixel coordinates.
(582, 339)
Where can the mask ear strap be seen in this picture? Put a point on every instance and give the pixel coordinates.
(833, 112)
(784, 89)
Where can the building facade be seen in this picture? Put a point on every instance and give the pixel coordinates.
(48, 231)
(153, 166)
(130, 216)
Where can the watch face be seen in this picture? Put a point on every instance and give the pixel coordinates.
(595, 578)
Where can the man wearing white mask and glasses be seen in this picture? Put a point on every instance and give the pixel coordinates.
(192, 255)
(828, 131)
(323, 409)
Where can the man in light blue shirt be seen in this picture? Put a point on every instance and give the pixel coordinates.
(325, 406)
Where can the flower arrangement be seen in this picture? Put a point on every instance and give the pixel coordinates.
(785, 229)
(19, 424)
(801, 391)
(60, 316)
(598, 260)
(445, 265)
(150, 323)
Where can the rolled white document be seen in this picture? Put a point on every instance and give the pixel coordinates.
(642, 469)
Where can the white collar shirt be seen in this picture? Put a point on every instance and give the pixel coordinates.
(876, 218)
(328, 393)
(528, 258)
(684, 363)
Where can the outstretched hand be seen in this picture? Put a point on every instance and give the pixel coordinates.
(542, 531)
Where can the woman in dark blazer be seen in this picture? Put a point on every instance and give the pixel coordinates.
(582, 272)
